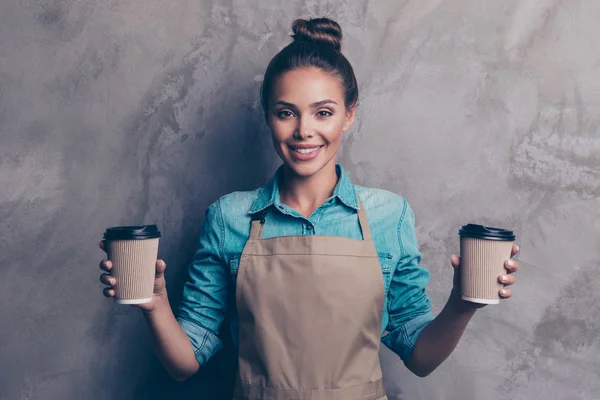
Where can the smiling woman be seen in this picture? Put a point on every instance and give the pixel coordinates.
(309, 97)
(309, 269)
(307, 117)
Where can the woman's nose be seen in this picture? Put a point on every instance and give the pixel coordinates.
(304, 130)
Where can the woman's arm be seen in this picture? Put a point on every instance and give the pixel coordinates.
(439, 338)
(171, 343)
(422, 341)
(185, 343)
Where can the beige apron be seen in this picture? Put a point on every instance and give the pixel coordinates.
(309, 311)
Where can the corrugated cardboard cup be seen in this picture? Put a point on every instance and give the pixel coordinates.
(133, 251)
(483, 251)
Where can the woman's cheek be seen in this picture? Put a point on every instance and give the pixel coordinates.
(278, 129)
(334, 130)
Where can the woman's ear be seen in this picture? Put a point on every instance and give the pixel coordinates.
(350, 115)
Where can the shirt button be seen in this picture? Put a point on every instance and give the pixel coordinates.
(309, 227)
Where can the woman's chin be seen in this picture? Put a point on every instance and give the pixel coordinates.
(305, 169)
(300, 169)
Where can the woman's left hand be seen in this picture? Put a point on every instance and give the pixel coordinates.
(506, 279)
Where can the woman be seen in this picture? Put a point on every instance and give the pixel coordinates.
(310, 269)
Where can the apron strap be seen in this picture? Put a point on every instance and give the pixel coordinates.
(363, 221)
(258, 223)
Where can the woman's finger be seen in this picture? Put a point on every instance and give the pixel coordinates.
(102, 245)
(108, 292)
(511, 266)
(506, 279)
(505, 293)
(514, 251)
(455, 260)
(160, 267)
(108, 280)
(105, 265)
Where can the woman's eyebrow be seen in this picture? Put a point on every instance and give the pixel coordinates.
(313, 105)
(322, 103)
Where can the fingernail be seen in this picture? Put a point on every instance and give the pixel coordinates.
(517, 247)
(503, 291)
(510, 263)
(504, 278)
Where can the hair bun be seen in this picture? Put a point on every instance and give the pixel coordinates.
(318, 30)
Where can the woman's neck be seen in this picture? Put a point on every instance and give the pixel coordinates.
(306, 194)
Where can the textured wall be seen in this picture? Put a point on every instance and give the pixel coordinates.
(125, 112)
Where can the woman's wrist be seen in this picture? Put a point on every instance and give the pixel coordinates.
(460, 306)
(162, 301)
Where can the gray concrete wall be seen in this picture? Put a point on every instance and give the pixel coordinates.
(126, 112)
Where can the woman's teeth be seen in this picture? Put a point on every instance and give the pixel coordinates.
(306, 151)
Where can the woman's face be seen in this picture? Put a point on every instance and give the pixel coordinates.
(307, 117)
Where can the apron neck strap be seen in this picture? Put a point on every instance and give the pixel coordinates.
(364, 223)
(258, 223)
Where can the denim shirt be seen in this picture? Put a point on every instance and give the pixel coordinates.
(209, 293)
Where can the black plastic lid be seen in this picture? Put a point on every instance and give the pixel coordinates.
(485, 232)
(132, 232)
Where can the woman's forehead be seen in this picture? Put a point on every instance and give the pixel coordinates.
(307, 86)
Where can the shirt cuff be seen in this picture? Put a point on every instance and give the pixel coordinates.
(403, 338)
(204, 342)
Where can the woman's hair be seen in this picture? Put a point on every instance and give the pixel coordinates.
(317, 43)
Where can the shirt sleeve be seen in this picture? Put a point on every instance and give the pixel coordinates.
(409, 308)
(205, 294)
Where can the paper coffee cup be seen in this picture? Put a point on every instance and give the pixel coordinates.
(133, 251)
(483, 251)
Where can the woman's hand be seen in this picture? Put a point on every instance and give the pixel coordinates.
(507, 279)
(160, 288)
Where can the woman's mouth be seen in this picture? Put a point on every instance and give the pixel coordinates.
(304, 153)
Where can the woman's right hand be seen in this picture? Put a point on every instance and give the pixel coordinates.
(160, 288)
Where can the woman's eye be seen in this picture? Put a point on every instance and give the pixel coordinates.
(284, 114)
(324, 113)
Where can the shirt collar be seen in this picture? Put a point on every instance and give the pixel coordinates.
(269, 195)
